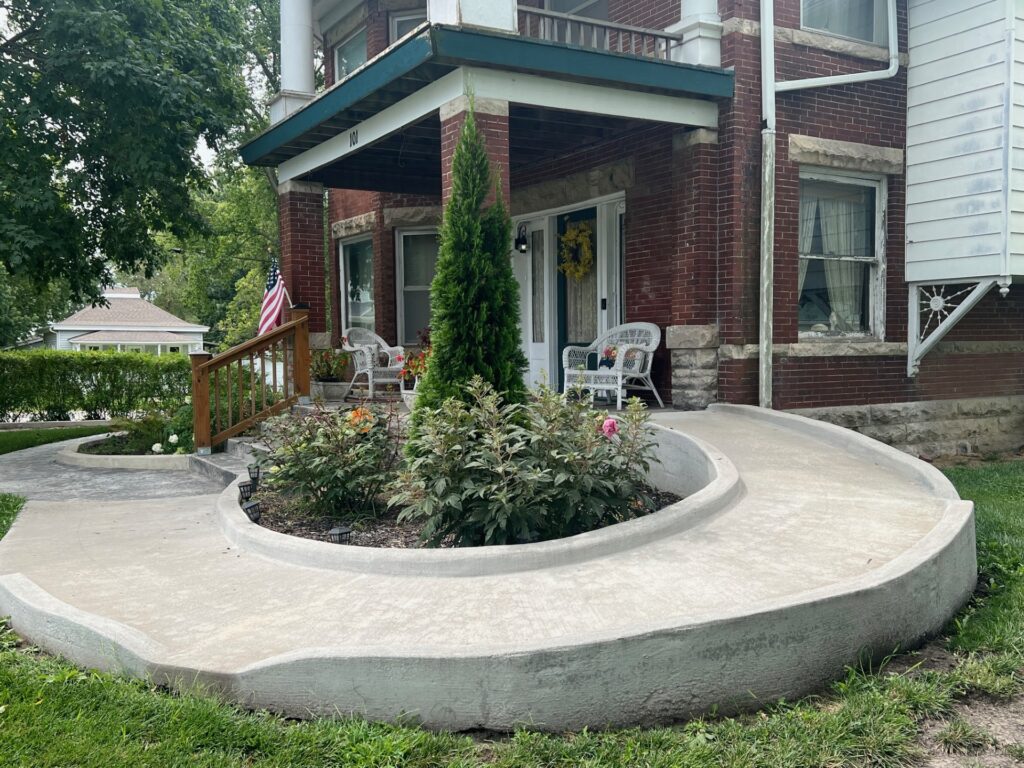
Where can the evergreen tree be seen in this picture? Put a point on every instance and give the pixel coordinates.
(474, 296)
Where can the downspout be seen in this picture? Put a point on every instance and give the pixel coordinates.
(769, 87)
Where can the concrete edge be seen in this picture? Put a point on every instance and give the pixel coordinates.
(69, 456)
(713, 490)
(909, 466)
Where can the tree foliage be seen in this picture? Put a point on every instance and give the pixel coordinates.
(216, 277)
(474, 297)
(103, 104)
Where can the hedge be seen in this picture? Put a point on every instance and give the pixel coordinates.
(49, 385)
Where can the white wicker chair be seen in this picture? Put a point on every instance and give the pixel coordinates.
(369, 353)
(634, 344)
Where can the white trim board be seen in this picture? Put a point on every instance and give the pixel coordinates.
(502, 86)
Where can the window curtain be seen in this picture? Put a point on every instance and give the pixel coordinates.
(808, 214)
(850, 18)
(841, 236)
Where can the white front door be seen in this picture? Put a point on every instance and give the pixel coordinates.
(554, 310)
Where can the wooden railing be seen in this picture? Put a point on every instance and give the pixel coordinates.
(595, 33)
(249, 383)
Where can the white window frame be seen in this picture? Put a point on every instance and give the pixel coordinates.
(400, 286)
(877, 279)
(337, 50)
(880, 27)
(343, 278)
(395, 18)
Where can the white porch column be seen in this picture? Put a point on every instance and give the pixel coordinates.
(489, 14)
(701, 30)
(298, 80)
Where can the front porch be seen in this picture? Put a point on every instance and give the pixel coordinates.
(617, 146)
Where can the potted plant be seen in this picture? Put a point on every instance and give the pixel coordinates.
(414, 366)
(328, 369)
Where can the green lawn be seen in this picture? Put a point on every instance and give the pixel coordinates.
(17, 439)
(51, 714)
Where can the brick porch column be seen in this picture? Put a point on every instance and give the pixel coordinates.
(300, 210)
(492, 123)
(692, 338)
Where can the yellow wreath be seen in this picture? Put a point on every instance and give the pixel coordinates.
(577, 257)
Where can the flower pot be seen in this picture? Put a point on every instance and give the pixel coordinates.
(409, 395)
(330, 391)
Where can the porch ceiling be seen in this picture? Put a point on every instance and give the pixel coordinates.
(409, 67)
(410, 161)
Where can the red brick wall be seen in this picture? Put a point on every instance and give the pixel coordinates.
(301, 219)
(494, 131)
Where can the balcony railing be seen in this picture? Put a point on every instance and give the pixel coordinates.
(595, 33)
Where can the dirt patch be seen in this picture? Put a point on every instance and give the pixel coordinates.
(118, 445)
(1001, 722)
(290, 517)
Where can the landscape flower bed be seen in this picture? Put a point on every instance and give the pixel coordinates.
(478, 473)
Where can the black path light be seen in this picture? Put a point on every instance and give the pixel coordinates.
(340, 535)
(245, 491)
(254, 475)
(253, 510)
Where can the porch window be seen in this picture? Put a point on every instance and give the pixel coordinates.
(840, 275)
(357, 285)
(405, 22)
(856, 19)
(417, 262)
(350, 54)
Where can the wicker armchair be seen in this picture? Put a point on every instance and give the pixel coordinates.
(634, 345)
(373, 358)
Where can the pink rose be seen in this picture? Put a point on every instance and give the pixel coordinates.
(610, 428)
(399, 358)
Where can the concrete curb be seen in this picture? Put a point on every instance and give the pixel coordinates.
(70, 456)
(706, 479)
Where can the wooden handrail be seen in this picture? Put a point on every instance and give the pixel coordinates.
(248, 393)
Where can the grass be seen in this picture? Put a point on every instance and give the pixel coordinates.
(18, 439)
(962, 738)
(52, 714)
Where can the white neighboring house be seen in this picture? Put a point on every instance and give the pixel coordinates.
(128, 324)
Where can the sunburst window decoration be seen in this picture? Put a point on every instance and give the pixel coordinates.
(576, 251)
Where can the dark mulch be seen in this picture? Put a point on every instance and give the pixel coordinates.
(289, 516)
(118, 445)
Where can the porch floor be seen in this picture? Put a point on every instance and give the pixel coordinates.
(833, 544)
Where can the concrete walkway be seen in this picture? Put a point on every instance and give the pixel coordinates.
(35, 474)
(830, 547)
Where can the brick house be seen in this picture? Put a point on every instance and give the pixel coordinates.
(877, 265)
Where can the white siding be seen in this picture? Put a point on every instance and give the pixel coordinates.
(956, 177)
(1017, 175)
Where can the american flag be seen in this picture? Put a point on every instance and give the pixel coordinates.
(273, 300)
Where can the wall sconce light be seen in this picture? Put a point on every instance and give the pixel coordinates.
(522, 243)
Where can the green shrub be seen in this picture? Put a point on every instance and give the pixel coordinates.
(492, 472)
(339, 461)
(50, 385)
(328, 365)
(474, 298)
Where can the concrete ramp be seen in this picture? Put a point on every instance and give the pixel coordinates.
(800, 547)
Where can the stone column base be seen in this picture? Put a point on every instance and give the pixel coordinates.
(694, 350)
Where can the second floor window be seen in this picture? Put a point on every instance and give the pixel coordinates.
(856, 19)
(349, 55)
(405, 22)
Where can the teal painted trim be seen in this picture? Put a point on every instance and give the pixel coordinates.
(398, 62)
(456, 47)
(499, 51)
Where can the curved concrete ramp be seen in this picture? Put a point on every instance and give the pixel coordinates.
(826, 545)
